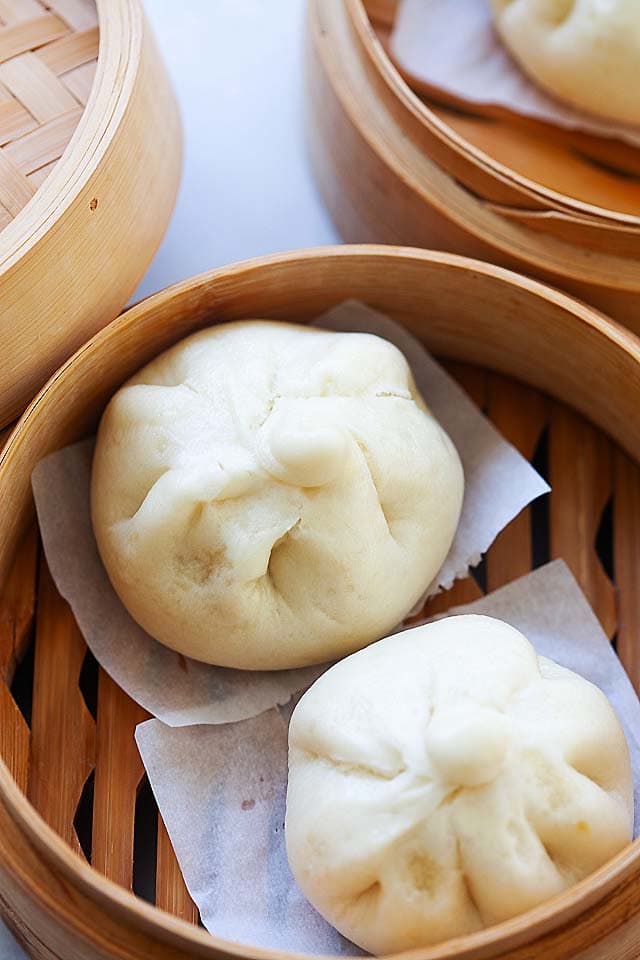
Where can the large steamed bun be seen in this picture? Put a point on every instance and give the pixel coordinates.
(447, 778)
(586, 52)
(267, 496)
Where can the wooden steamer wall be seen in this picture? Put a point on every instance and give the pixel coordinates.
(397, 167)
(536, 361)
(90, 155)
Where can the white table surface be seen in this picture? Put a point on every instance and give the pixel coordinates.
(236, 66)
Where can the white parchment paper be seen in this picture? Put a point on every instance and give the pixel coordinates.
(221, 790)
(181, 691)
(455, 48)
(175, 688)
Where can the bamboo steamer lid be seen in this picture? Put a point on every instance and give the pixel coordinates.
(90, 151)
(76, 814)
(395, 168)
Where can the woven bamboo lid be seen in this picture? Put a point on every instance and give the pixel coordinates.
(48, 58)
(90, 155)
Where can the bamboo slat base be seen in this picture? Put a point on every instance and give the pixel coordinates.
(48, 59)
(559, 380)
(65, 746)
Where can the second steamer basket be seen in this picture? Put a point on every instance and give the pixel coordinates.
(397, 168)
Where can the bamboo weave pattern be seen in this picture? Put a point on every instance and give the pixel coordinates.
(48, 57)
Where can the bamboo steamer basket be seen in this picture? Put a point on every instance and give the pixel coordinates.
(561, 169)
(591, 180)
(395, 168)
(66, 729)
(90, 152)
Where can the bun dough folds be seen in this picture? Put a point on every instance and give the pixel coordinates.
(447, 778)
(586, 52)
(267, 496)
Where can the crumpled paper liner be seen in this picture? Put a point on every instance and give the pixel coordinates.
(221, 789)
(181, 691)
(455, 48)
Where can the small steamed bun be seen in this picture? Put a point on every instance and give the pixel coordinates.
(586, 52)
(266, 496)
(447, 778)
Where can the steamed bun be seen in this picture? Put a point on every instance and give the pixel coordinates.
(447, 778)
(266, 496)
(586, 52)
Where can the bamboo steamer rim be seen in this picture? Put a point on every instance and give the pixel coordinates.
(120, 39)
(552, 914)
(400, 88)
(435, 186)
(64, 266)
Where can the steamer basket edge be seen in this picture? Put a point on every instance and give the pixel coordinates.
(75, 253)
(453, 148)
(413, 284)
(119, 48)
(400, 194)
